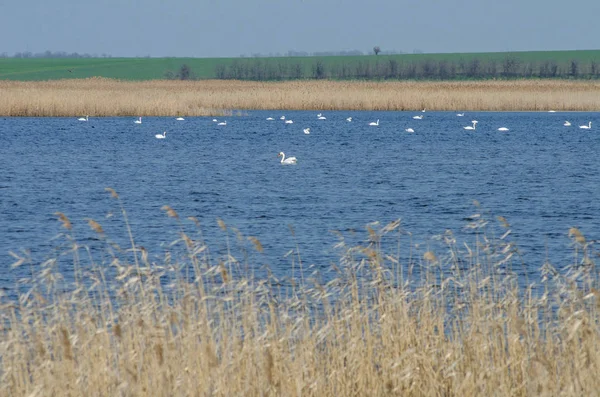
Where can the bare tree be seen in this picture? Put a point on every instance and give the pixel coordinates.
(492, 68)
(474, 68)
(393, 69)
(428, 68)
(510, 66)
(220, 71)
(298, 71)
(443, 72)
(411, 70)
(185, 73)
(545, 69)
(574, 69)
(376, 50)
(593, 69)
(319, 70)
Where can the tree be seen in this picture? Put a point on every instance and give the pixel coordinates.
(510, 66)
(220, 71)
(428, 68)
(185, 73)
(443, 72)
(411, 70)
(282, 70)
(574, 68)
(298, 71)
(474, 68)
(376, 50)
(393, 69)
(319, 70)
(492, 68)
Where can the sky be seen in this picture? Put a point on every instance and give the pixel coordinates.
(231, 28)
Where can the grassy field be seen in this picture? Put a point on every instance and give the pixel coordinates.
(104, 97)
(36, 69)
(450, 320)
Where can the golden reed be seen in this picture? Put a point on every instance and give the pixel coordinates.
(106, 97)
(449, 322)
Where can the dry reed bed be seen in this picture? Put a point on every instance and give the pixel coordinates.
(106, 97)
(463, 328)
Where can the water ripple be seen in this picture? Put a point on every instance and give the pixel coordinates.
(542, 177)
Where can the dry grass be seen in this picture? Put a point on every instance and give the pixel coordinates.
(453, 322)
(105, 97)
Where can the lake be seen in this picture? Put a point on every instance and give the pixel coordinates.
(541, 176)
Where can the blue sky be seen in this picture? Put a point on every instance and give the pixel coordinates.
(223, 28)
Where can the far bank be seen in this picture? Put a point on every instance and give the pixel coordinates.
(98, 97)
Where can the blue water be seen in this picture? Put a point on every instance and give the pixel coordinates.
(541, 176)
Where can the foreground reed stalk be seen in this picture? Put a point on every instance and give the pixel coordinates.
(104, 97)
(448, 323)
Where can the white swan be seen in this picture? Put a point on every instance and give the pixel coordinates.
(322, 118)
(471, 127)
(270, 118)
(420, 117)
(409, 130)
(161, 136)
(460, 114)
(374, 123)
(282, 118)
(503, 129)
(567, 124)
(180, 118)
(215, 120)
(319, 115)
(423, 110)
(83, 118)
(289, 122)
(551, 111)
(349, 119)
(222, 123)
(586, 127)
(306, 131)
(289, 160)
(138, 121)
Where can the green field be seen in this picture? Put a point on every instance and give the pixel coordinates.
(36, 69)
(32, 69)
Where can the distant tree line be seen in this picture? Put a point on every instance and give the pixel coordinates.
(378, 68)
(51, 54)
(293, 53)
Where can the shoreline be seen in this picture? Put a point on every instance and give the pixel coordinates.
(100, 97)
